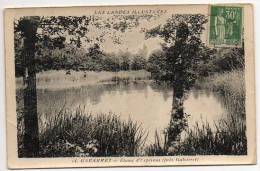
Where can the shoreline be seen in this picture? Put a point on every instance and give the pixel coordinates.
(59, 80)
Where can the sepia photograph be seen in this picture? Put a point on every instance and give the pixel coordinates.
(130, 85)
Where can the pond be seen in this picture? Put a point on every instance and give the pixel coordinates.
(148, 103)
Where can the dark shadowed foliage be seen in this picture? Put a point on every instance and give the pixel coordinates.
(69, 134)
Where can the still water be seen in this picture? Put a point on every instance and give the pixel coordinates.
(147, 103)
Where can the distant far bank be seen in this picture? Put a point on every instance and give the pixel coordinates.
(62, 79)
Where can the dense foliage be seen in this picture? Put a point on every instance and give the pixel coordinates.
(59, 42)
(184, 58)
(212, 60)
(92, 59)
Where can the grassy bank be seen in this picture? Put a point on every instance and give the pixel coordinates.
(70, 134)
(229, 135)
(229, 139)
(231, 86)
(62, 79)
(232, 83)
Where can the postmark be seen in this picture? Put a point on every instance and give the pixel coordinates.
(225, 26)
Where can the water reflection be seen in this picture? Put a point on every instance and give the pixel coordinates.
(148, 103)
(204, 106)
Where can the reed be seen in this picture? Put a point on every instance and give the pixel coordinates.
(70, 134)
(227, 136)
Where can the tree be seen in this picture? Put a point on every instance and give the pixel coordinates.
(33, 41)
(138, 63)
(28, 30)
(51, 32)
(229, 59)
(156, 64)
(124, 59)
(181, 34)
(96, 57)
(18, 53)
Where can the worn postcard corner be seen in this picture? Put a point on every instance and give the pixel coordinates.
(109, 86)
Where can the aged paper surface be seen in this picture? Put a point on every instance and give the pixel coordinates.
(155, 85)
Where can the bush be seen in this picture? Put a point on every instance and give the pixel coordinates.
(157, 65)
(69, 134)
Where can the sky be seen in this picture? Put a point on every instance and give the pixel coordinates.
(132, 40)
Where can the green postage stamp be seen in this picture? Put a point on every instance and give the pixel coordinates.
(225, 26)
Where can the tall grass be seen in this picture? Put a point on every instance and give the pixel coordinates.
(70, 134)
(159, 147)
(228, 139)
(232, 87)
(229, 135)
(232, 83)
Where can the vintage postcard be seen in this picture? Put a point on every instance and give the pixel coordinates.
(150, 85)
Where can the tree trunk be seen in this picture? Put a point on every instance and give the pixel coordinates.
(177, 122)
(31, 134)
